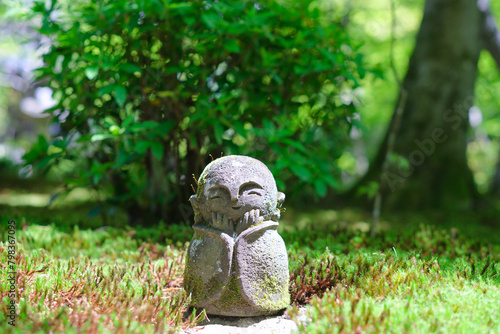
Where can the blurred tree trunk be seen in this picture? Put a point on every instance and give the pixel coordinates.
(433, 126)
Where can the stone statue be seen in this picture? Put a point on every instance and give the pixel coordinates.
(237, 264)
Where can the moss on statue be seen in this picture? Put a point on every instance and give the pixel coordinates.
(275, 294)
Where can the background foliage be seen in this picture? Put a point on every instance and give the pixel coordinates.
(147, 90)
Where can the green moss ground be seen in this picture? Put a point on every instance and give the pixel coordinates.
(431, 273)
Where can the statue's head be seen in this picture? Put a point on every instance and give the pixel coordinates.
(233, 185)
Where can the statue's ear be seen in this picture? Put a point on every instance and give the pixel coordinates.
(196, 208)
(281, 199)
(194, 202)
(277, 213)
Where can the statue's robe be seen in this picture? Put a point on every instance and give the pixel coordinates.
(244, 275)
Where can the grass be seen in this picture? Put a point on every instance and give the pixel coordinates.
(421, 274)
(400, 293)
(414, 278)
(95, 282)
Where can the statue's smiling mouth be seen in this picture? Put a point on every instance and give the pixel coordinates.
(236, 207)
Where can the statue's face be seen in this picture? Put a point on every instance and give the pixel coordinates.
(235, 186)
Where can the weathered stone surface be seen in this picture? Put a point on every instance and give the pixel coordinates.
(280, 324)
(244, 326)
(237, 263)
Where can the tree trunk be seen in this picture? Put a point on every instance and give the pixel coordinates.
(434, 123)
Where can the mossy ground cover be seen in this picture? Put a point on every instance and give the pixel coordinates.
(431, 273)
(418, 277)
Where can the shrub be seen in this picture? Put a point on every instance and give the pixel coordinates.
(154, 87)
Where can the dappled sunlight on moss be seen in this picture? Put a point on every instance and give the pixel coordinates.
(36, 200)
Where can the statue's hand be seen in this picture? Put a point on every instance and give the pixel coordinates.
(249, 218)
(222, 223)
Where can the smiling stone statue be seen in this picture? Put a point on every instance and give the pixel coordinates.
(237, 263)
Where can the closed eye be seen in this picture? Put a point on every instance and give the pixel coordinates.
(215, 197)
(251, 188)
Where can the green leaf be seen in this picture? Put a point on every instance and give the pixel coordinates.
(295, 144)
(179, 6)
(91, 72)
(190, 20)
(47, 161)
(60, 143)
(42, 143)
(120, 95)
(123, 159)
(84, 139)
(268, 125)
(100, 137)
(160, 130)
(282, 163)
(127, 121)
(142, 146)
(115, 130)
(166, 93)
(157, 149)
(131, 68)
(302, 172)
(166, 127)
(147, 125)
(277, 99)
(370, 189)
(278, 79)
(331, 181)
(211, 20)
(110, 120)
(239, 128)
(218, 132)
(232, 46)
(320, 187)
(106, 90)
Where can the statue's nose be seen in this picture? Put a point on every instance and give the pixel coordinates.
(234, 198)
